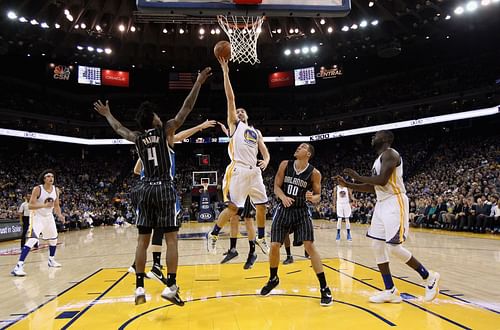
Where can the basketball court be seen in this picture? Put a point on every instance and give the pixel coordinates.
(94, 290)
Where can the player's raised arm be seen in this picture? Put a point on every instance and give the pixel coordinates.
(188, 105)
(103, 110)
(231, 103)
(193, 130)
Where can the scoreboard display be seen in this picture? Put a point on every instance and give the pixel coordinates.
(89, 75)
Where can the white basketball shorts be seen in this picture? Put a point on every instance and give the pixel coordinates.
(390, 220)
(243, 181)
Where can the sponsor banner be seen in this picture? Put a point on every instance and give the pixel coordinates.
(10, 229)
(61, 72)
(328, 73)
(115, 78)
(280, 79)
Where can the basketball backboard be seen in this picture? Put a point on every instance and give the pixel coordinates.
(297, 8)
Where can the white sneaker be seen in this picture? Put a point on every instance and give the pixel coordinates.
(212, 243)
(131, 269)
(18, 271)
(171, 293)
(386, 296)
(261, 242)
(54, 263)
(140, 296)
(432, 286)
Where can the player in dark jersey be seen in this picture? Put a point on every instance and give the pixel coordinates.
(292, 185)
(155, 195)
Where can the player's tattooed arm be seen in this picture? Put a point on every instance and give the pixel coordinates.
(104, 110)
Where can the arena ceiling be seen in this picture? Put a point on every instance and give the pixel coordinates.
(114, 33)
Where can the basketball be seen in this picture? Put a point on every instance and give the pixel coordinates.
(222, 49)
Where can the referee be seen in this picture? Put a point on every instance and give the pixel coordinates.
(24, 217)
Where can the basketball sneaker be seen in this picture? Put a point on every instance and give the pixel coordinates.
(140, 296)
(156, 274)
(54, 263)
(261, 242)
(270, 285)
(18, 271)
(131, 269)
(250, 261)
(288, 260)
(349, 238)
(338, 237)
(326, 297)
(171, 293)
(432, 286)
(212, 243)
(386, 296)
(231, 254)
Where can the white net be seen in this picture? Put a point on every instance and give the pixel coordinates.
(243, 33)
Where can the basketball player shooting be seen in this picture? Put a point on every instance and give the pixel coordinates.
(243, 176)
(389, 225)
(155, 196)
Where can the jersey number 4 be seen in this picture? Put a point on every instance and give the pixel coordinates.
(292, 190)
(152, 155)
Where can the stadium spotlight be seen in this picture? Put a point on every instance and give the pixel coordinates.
(287, 52)
(447, 17)
(164, 30)
(98, 28)
(375, 22)
(459, 10)
(44, 25)
(485, 2)
(99, 50)
(121, 27)
(57, 26)
(108, 50)
(305, 50)
(90, 48)
(11, 15)
(345, 28)
(79, 47)
(354, 27)
(363, 23)
(34, 22)
(370, 4)
(132, 28)
(330, 29)
(322, 21)
(471, 6)
(201, 31)
(314, 49)
(22, 19)
(83, 25)
(297, 51)
(313, 31)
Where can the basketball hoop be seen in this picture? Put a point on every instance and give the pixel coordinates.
(243, 33)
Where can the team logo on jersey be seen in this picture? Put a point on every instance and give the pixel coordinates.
(342, 194)
(250, 136)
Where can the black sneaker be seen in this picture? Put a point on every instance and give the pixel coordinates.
(270, 285)
(326, 297)
(250, 261)
(306, 255)
(231, 254)
(156, 274)
(288, 260)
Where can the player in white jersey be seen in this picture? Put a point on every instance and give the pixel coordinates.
(389, 225)
(243, 176)
(43, 202)
(342, 197)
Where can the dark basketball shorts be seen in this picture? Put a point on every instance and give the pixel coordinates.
(155, 202)
(288, 220)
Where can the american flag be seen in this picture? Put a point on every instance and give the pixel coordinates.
(180, 80)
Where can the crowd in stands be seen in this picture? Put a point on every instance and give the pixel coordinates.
(452, 180)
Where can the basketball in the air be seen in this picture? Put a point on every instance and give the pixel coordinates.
(223, 49)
